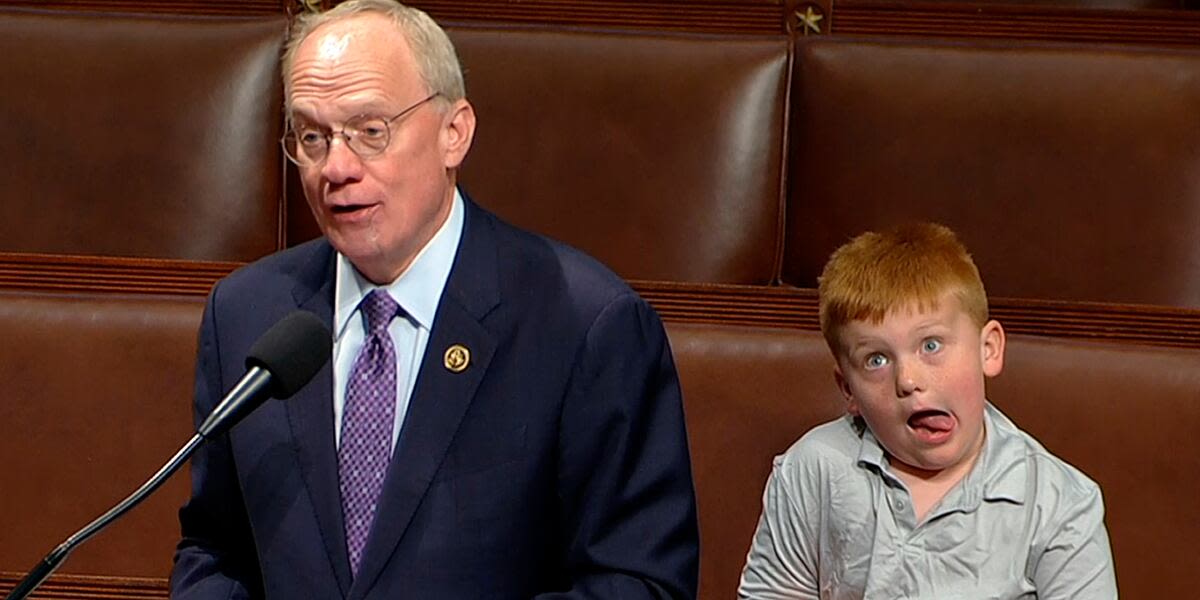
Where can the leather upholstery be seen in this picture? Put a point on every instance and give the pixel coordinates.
(1069, 171)
(661, 155)
(95, 398)
(1127, 416)
(1123, 414)
(114, 129)
(748, 394)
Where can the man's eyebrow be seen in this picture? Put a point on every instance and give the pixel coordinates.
(299, 115)
(374, 109)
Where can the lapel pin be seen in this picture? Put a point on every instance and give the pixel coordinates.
(457, 358)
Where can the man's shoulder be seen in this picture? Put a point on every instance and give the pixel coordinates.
(273, 278)
(279, 266)
(533, 263)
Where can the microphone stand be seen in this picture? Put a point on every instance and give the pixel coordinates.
(43, 569)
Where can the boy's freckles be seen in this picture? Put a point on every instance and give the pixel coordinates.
(917, 380)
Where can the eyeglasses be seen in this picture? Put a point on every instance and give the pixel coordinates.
(367, 136)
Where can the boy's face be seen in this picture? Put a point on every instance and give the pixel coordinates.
(917, 380)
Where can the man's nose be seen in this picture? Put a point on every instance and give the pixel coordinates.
(909, 377)
(341, 163)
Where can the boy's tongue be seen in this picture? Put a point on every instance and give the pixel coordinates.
(931, 420)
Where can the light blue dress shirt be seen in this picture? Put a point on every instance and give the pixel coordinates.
(418, 290)
(838, 524)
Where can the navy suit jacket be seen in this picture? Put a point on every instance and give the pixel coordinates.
(555, 466)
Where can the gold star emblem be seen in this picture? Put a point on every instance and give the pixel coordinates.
(810, 20)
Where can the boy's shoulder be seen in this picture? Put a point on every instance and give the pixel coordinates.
(829, 448)
(1024, 461)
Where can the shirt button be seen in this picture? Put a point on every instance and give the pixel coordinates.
(898, 504)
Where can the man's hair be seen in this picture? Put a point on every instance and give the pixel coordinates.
(876, 273)
(437, 62)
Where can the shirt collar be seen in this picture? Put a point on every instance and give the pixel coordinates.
(418, 289)
(1003, 468)
(999, 474)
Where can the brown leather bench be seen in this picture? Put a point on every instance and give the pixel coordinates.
(141, 159)
(707, 169)
(1124, 414)
(1069, 170)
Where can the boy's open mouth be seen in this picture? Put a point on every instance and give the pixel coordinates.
(931, 421)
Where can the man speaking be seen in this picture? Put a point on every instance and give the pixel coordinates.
(501, 417)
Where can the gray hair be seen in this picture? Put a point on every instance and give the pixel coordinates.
(437, 62)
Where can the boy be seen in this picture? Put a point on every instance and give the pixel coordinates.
(924, 490)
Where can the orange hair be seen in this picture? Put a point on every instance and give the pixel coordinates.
(876, 273)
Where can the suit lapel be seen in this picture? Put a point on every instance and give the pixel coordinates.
(310, 413)
(441, 396)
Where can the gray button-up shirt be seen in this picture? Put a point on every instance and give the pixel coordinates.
(837, 523)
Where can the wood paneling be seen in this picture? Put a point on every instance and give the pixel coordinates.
(797, 307)
(764, 16)
(191, 7)
(679, 302)
(77, 587)
(61, 273)
(1016, 22)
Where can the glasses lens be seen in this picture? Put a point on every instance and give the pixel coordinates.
(305, 148)
(367, 137)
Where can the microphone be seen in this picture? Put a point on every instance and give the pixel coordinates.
(281, 362)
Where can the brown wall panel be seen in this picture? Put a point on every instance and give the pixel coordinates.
(1124, 414)
(661, 155)
(1095, 21)
(95, 395)
(140, 136)
(1069, 170)
(749, 392)
(1127, 416)
(192, 7)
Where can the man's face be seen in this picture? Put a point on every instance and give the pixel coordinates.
(917, 379)
(381, 210)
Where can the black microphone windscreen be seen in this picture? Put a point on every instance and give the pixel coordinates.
(292, 350)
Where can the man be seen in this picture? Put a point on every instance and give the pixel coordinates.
(501, 417)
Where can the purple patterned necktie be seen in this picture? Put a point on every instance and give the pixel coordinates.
(367, 419)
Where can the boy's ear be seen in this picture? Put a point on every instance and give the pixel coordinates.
(844, 387)
(991, 340)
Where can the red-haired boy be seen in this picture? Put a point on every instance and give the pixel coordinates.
(924, 489)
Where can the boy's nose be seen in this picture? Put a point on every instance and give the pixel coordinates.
(908, 378)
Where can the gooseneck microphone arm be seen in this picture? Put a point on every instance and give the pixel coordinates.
(39, 573)
(281, 362)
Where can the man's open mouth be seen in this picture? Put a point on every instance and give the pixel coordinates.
(348, 208)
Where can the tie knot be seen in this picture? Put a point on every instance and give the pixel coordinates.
(379, 308)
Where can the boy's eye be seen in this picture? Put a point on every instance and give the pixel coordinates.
(931, 345)
(876, 361)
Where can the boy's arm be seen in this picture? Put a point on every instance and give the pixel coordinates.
(782, 563)
(1077, 560)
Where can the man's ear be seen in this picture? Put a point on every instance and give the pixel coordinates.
(844, 387)
(458, 133)
(991, 340)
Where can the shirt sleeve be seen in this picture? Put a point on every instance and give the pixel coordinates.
(1077, 560)
(783, 558)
